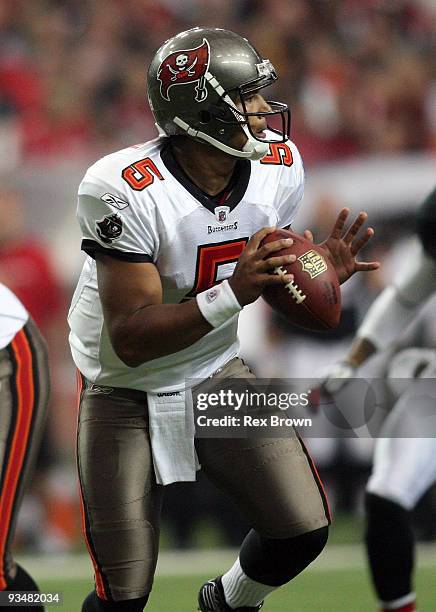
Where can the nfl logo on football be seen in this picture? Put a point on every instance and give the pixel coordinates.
(221, 213)
(312, 263)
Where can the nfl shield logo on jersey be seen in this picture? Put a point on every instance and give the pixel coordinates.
(221, 213)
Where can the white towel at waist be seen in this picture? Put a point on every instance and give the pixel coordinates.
(171, 423)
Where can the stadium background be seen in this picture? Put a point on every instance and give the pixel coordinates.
(360, 78)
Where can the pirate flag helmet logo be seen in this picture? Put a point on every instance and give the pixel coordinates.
(183, 67)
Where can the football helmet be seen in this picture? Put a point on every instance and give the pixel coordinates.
(194, 82)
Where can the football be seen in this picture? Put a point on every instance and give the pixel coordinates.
(313, 299)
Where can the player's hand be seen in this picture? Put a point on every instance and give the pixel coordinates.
(338, 375)
(342, 247)
(252, 272)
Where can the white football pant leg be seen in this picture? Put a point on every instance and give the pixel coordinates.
(405, 466)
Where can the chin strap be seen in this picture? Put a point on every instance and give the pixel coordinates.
(252, 149)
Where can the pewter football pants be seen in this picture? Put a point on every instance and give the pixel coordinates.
(24, 389)
(273, 481)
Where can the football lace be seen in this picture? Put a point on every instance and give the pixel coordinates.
(292, 287)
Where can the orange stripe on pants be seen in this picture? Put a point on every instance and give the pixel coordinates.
(25, 405)
(318, 480)
(99, 585)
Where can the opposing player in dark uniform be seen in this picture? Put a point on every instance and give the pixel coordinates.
(24, 388)
(172, 229)
(405, 452)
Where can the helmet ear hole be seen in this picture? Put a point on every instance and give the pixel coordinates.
(205, 116)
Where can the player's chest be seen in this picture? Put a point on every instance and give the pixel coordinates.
(204, 246)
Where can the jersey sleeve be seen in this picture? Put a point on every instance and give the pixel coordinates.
(114, 223)
(399, 303)
(291, 189)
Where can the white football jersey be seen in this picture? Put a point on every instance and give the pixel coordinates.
(13, 316)
(139, 206)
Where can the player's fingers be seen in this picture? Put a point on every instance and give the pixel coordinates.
(366, 266)
(308, 234)
(276, 262)
(271, 247)
(256, 239)
(358, 244)
(339, 223)
(355, 227)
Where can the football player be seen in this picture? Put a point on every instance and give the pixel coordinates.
(173, 229)
(404, 467)
(24, 388)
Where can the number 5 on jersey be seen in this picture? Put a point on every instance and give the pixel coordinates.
(209, 258)
(141, 174)
(280, 154)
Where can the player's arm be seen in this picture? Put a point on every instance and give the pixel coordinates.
(387, 317)
(142, 328)
(394, 309)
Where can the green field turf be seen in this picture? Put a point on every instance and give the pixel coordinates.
(339, 590)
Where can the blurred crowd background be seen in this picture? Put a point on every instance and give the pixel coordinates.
(72, 71)
(360, 78)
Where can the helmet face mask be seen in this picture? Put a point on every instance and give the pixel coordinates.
(198, 83)
(278, 109)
